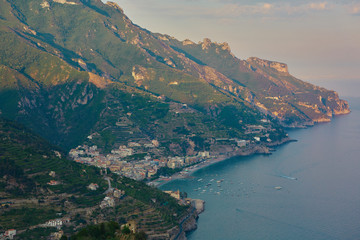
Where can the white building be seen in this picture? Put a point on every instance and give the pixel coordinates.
(10, 233)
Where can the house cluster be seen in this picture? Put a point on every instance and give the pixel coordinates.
(261, 132)
(179, 162)
(53, 183)
(120, 162)
(198, 204)
(93, 186)
(174, 194)
(58, 223)
(6, 204)
(109, 200)
(9, 234)
(254, 129)
(56, 235)
(239, 142)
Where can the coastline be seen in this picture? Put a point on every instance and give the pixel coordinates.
(253, 149)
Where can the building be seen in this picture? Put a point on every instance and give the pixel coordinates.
(155, 143)
(54, 223)
(107, 202)
(10, 233)
(53, 183)
(93, 186)
(57, 235)
(151, 173)
(254, 129)
(175, 194)
(134, 144)
(205, 154)
(241, 143)
(118, 193)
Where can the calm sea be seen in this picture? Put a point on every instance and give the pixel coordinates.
(306, 190)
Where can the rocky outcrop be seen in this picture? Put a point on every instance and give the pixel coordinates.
(280, 67)
(140, 74)
(65, 2)
(206, 43)
(117, 7)
(188, 42)
(98, 81)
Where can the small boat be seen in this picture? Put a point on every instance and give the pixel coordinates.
(278, 188)
(220, 181)
(287, 177)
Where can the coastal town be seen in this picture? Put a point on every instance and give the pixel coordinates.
(142, 159)
(118, 160)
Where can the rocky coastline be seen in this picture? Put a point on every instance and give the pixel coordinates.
(266, 148)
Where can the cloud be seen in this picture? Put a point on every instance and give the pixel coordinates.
(235, 10)
(318, 6)
(355, 10)
(226, 10)
(267, 6)
(266, 9)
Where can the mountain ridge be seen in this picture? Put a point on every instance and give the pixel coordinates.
(66, 47)
(84, 77)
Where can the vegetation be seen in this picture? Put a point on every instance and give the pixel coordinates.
(101, 231)
(166, 172)
(26, 161)
(84, 73)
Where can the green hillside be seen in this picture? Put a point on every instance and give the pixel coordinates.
(60, 62)
(27, 198)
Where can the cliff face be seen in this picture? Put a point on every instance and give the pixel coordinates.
(280, 67)
(267, 85)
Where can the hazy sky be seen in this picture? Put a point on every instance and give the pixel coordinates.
(319, 40)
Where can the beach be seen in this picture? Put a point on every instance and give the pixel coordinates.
(250, 150)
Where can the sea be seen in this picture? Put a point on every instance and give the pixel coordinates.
(305, 190)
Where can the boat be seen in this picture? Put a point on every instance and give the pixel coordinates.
(287, 177)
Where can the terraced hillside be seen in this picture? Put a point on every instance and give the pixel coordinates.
(38, 185)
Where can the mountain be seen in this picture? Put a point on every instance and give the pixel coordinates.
(271, 87)
(70, 69)
(37, 185)
(80, 72)
(61, 59)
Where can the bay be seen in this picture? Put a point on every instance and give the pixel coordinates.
(305, 190)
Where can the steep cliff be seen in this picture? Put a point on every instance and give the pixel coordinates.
(268, 85)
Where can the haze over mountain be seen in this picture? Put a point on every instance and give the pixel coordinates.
(317, 38)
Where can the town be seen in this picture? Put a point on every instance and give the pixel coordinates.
(141, 160)
(137, 170)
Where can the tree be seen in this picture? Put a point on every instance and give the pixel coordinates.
(140, 236)
(126, 230)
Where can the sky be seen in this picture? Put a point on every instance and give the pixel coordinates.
(319, 40)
